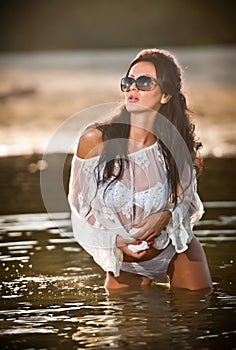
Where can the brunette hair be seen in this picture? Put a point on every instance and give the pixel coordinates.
(175, 111)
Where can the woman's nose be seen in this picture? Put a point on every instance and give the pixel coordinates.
(133, 86)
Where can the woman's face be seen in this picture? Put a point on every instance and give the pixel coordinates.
(136, 99)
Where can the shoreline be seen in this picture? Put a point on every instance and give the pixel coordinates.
(21, 192)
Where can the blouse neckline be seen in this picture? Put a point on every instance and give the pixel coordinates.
(144, 149)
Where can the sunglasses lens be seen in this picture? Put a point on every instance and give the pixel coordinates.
(125, 83)
(145, 83)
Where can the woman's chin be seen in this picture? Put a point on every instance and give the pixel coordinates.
(134, 107)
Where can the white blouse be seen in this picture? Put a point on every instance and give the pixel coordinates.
(100, 214)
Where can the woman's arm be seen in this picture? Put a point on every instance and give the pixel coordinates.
(152, 225)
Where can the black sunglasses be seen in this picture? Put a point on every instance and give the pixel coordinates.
(143, 83)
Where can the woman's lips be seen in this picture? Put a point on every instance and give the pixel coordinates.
(133, 99)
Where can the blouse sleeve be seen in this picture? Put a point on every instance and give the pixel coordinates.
(184, 215)
(95, 227)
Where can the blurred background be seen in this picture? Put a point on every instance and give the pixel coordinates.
(60, 57)
(85, 24)
(57, 59)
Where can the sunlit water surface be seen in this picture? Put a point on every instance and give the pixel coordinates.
(52, 294)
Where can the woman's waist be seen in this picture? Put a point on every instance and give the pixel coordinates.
(150, 254)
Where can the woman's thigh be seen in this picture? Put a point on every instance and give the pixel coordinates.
(190, 269)
(125, 279)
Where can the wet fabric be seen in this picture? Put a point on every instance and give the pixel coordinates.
(100, 214)
(153, 268)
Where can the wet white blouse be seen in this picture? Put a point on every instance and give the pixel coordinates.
(100, 214)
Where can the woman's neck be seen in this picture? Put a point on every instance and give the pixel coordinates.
(141, 128)
(141, 136)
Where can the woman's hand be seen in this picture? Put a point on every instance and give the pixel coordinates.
(128, 252)
(123, 243)
(152, 225)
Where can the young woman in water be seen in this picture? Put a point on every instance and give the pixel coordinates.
(133, 186)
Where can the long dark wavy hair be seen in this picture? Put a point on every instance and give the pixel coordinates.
(175, 111)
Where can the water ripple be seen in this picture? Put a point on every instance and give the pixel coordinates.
(51, 287)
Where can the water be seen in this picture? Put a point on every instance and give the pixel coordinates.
(52, 294)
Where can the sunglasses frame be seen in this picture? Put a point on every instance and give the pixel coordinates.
(151, 87)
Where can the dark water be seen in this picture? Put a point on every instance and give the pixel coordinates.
(52, 294)
(20, 182)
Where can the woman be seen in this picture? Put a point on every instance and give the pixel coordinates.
(133, 188)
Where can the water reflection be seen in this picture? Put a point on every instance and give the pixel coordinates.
(151, 319)
(52, 294)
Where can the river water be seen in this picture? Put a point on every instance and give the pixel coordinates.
(52, 294)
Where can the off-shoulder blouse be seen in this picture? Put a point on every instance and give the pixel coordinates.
(99, 213)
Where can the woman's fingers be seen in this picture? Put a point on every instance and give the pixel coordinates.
(140, 224)
(149, 235)
(140, 232)
(128, 252)
(140, 254)
(120, 241)
(152, 236)
(151, 226)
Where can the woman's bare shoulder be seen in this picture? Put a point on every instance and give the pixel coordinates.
(90, 143)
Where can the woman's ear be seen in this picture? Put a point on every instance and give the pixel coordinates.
(165, 98)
